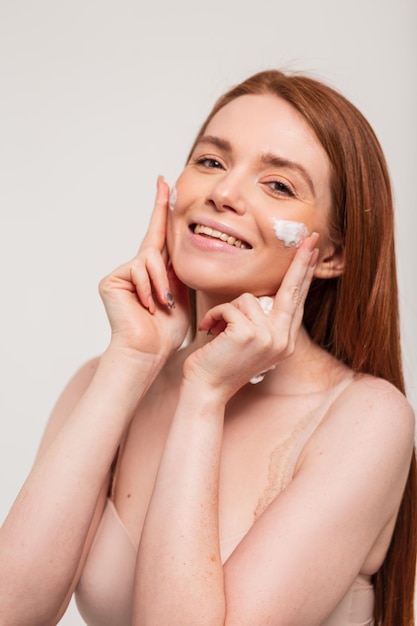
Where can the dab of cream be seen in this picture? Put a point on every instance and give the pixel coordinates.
(172, 198)
(291, 233)
(266, 304)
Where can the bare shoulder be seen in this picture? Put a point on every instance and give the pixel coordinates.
(77, 385)
(371, 422)
(67, 400)
(377, 403)
(83, 375)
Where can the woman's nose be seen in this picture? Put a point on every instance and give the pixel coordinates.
(227, 195)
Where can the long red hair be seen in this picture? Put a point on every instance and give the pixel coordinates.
(356, 316)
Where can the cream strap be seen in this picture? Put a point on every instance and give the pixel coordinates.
(320, 413)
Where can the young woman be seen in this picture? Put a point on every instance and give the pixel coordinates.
(258, 469)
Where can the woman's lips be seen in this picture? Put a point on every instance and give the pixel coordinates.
(216, 233)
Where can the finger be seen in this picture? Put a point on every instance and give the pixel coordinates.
(254, 307)
(222, 316)
(179, 292)
(140, 279)
(155, 235)
(157, 273)
(247, 303)
(297, 279)
(299, 311)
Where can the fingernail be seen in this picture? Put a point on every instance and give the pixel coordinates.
(170, 300)
(159, 179)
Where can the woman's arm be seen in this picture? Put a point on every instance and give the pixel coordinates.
(43, 539)
(179, 576)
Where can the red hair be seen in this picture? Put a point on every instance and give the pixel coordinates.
(355, 317)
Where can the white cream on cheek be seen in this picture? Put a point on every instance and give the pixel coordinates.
(172, 198)
(291, 233)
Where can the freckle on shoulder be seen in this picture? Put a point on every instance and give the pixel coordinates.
(383, 397)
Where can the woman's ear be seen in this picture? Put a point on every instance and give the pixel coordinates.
(331, 262)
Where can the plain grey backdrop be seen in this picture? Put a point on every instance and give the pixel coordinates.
(97, 98)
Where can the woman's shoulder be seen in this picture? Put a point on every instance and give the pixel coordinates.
(85, 372)
(378, 394)
(374, 409)
(77, 384)
(68, 398)
(366, 438)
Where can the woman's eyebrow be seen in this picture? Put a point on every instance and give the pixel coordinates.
(220, 143)
(277, 161)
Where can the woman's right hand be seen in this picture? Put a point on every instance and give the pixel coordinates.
(241, 327)
(147, 306)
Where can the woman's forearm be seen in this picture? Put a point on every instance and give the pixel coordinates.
(42, 538)
(179, 577)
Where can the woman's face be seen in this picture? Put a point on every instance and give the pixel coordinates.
(257, 166)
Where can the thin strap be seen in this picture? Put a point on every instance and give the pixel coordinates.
(314, 423)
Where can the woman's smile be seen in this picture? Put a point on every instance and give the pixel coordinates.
(206, 231)
(210, 234)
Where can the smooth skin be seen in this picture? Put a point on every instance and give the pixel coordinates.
(195, 465)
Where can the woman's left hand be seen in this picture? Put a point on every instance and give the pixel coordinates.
(247, 340)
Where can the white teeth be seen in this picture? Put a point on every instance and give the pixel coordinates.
(200, 229)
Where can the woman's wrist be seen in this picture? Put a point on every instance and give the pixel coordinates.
(125, 375)
(202, 395)
(133, 359)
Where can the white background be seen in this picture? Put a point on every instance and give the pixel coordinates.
(99, 97)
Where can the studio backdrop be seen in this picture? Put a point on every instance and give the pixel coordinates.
(97, 98)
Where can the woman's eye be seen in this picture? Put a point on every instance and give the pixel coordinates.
(280, 188)
(208, 162)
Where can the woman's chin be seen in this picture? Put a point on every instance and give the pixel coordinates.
(227, 286)
(222, 292)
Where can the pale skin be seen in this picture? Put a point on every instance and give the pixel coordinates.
(194, 466)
